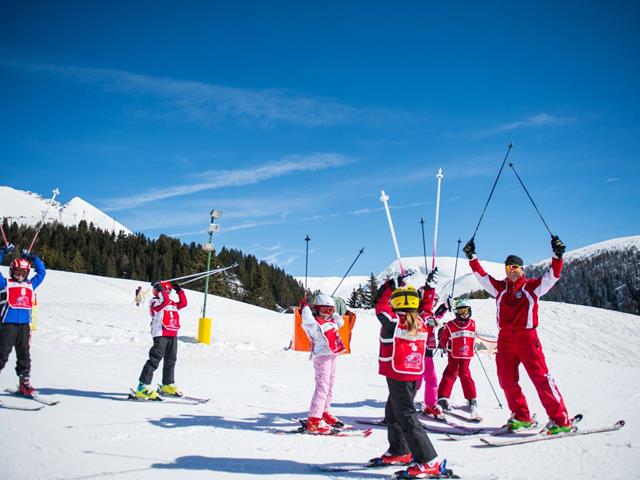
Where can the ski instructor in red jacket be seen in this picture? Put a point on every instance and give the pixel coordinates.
(518, 343)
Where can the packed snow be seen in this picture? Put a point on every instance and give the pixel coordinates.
(92, 341)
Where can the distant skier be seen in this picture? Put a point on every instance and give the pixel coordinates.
(428, 299)
(321, 323)
(15, 313)
(165, 323)
(457, 339)
(517, 314)
(403, 337)
(138, 296)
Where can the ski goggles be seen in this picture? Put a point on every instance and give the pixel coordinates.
(509, 268)
(325, 310)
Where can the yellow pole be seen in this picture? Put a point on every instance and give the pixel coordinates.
(204, 330)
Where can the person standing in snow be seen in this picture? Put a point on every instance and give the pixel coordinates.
(138, 296)
(403, 338)
(428, 298)
(457, 339)
(15, 313)
(165, 323)
(518, 343)
(321, 323)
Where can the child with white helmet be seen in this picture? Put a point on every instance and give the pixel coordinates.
(457, 339)
(321, 323)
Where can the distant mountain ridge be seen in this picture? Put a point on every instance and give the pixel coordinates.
(28, 208)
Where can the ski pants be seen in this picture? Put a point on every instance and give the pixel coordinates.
(457, 367)
(523, 347)
(404, 431)
(325, 373)
(430, 381)
(16, 335)
(163, 348)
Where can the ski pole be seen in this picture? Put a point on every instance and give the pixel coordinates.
(198, 274)
(55, 192)
(424, 248)
(348, 270)
(208, 274)
(4, 237)
(527, 192)
(455, 270)
(435, 229)
(492, 189)
(486, 375)
(384, 198)
(306, 263)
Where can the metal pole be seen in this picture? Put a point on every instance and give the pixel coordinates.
(534, 203)
(435, 230)
(212, 228)
(384, 198)
(488, 380)
(4, 237)
(455, 269)
(44, 218)
(348, 270)
(424, 248)
(492, 189)
(306, 263)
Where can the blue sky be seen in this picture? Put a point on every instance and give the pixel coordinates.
(291, 118)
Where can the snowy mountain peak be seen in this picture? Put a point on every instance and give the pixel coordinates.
(28, 208)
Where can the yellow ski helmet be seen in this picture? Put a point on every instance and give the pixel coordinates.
(405, 299)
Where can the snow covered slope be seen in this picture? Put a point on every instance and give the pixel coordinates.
(27, 208)
(92, 341)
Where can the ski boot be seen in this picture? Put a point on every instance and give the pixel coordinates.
(390, 459)
(146, 393)
(333, 421)
(444, 403)
(169, 390)
(318, 426)
(433, 469)
(25, 388)
(514, 424)
(433, 411)
(553, 428)
(473, 406)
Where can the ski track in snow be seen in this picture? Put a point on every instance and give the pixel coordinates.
(92, 341)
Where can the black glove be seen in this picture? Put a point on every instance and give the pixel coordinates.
(176, 286)
(400, 279)
(28, 255)
(557, 246)
(432, 278)
(469, 249)
(440, 310)
(9, 248)
(156, 285)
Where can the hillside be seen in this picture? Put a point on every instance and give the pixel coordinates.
(92, 342)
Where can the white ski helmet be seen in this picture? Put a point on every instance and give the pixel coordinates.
(323, 300)
(462, 303)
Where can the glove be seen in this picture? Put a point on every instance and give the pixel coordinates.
(432, 278)
(470, 249)
(440, 310)
(176, 286)
(26, 254)
(157, 285)
(557, 246)
(400, 278)
(449, 303)
(9, 248)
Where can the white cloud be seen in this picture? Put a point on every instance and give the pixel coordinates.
(541, 119)
(208, 102)
(611, 180)
(232, 178)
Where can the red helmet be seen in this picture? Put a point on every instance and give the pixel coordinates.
(20, 264)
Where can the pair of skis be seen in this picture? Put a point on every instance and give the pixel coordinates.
(179, 400)
(373, 465)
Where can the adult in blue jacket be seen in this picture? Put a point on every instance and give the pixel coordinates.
(16, 302)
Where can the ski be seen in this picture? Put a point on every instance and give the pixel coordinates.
(378, 422)
(303, 422)
(24, 409)
(402, 474)
(464, 418)
(334, 432)
(350, 467)
(446, 421)
(452, 429)
(542, 436)
(195, 400)
(35, 398)
(175, 400)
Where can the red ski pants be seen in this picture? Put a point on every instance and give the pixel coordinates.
(457, 367)
(523, 347)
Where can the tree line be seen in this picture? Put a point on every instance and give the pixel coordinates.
(87, 249)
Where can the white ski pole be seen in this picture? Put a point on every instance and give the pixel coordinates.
(199, 274)
(435, 229)
(384, 198)
(208, 274)
(44, 218)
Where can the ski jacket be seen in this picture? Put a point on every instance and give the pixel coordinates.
(458, 338)
(427, 301)
(16, 299)
(401, 354)
(517, 303)
(323, 333)
(165, 319)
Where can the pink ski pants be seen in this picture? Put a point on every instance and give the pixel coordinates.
(325, 372)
